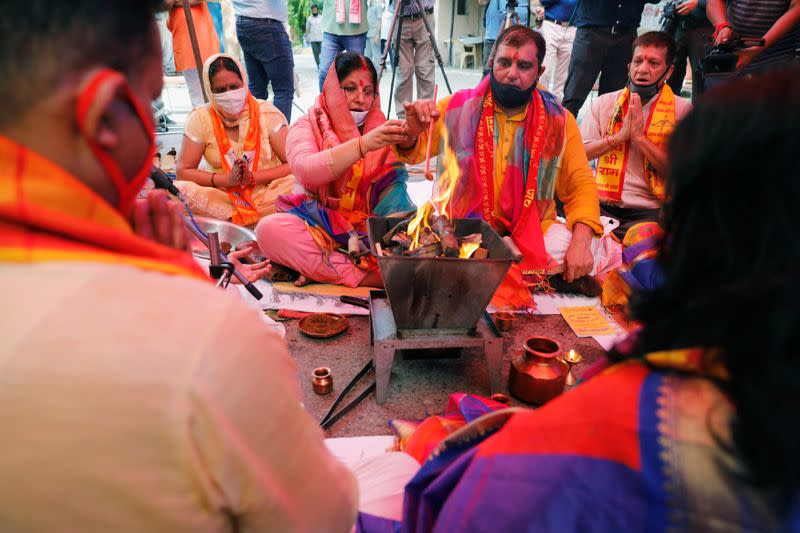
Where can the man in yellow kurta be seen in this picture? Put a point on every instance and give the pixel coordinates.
(134, 396)
(517, 150)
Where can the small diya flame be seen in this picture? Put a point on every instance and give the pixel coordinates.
(573, 357)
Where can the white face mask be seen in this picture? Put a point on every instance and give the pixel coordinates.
(359, 117)
(231, 102)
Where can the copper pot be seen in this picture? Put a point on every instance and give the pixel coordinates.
(537, 374)
(322, 380)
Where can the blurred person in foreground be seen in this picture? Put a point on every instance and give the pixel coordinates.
(693, 428)
(134, 395)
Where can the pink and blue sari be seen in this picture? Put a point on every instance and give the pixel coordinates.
(633, 449)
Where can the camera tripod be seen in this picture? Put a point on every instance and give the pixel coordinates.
(512, 17)
(397, 32)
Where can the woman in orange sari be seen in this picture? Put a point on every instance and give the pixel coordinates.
(243, 143)
(341, 154)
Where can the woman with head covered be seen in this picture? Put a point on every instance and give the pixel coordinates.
(340, 153)
(243, 142)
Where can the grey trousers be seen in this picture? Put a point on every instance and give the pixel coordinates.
(416, 57)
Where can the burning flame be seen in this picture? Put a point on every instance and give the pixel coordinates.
(440, 204)
(466, 249)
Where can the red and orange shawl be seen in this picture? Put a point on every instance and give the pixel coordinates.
(528, 186)
(367, 187)
(48, 215)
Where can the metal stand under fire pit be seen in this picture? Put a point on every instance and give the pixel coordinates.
(387, 339)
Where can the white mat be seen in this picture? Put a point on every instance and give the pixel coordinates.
(309, 303)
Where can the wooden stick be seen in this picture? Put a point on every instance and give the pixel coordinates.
(444, 229)
(428, 174)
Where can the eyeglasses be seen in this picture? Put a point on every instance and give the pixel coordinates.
(352, 91)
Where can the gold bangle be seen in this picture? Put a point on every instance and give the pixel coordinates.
(360, 148)
(212, 179)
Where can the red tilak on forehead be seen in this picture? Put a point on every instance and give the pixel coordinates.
(516, 55)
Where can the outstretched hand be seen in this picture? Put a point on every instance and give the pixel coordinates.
(252, 272)
(418, 117)
(390, 132)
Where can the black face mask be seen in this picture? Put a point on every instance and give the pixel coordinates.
(646, 92)
(509, 96)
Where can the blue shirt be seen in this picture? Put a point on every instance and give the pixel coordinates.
(262, 9)
(626, 14)
(496, 13)
(559, 9)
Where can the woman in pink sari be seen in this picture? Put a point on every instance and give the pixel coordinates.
(341, 154)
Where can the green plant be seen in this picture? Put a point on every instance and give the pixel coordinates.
(299, 10)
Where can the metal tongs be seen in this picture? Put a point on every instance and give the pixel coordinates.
(330, 418)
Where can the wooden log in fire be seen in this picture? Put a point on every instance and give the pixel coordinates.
(400, 227)
(401, 239)
(428, 250)
(427, 237)
(444, 229)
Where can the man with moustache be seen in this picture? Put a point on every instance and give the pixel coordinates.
(627, 132)
(517, 150)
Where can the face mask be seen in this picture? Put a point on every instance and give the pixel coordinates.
(231, 103)
(509, 96)
(314, 14)
(646, 92)
(359, 117)
(127, 188)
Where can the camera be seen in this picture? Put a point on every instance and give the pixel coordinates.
(719, 65)
(669, 17)
(722, 58)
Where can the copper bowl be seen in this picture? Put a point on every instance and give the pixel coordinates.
(322, 380)
(504, 320)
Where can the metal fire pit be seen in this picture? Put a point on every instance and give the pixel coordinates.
(441, 294)
(436, 302)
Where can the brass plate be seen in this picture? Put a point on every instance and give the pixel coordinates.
(323, 325)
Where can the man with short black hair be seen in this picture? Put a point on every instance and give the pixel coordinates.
(517, 150)
(134, 395)
(606, 30)
(627, 132)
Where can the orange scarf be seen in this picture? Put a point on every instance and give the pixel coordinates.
(47, 215)
(611, 166)
(244, 210)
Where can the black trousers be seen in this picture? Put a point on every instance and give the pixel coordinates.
(596, 50)
(628, 217)
(690, 43)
